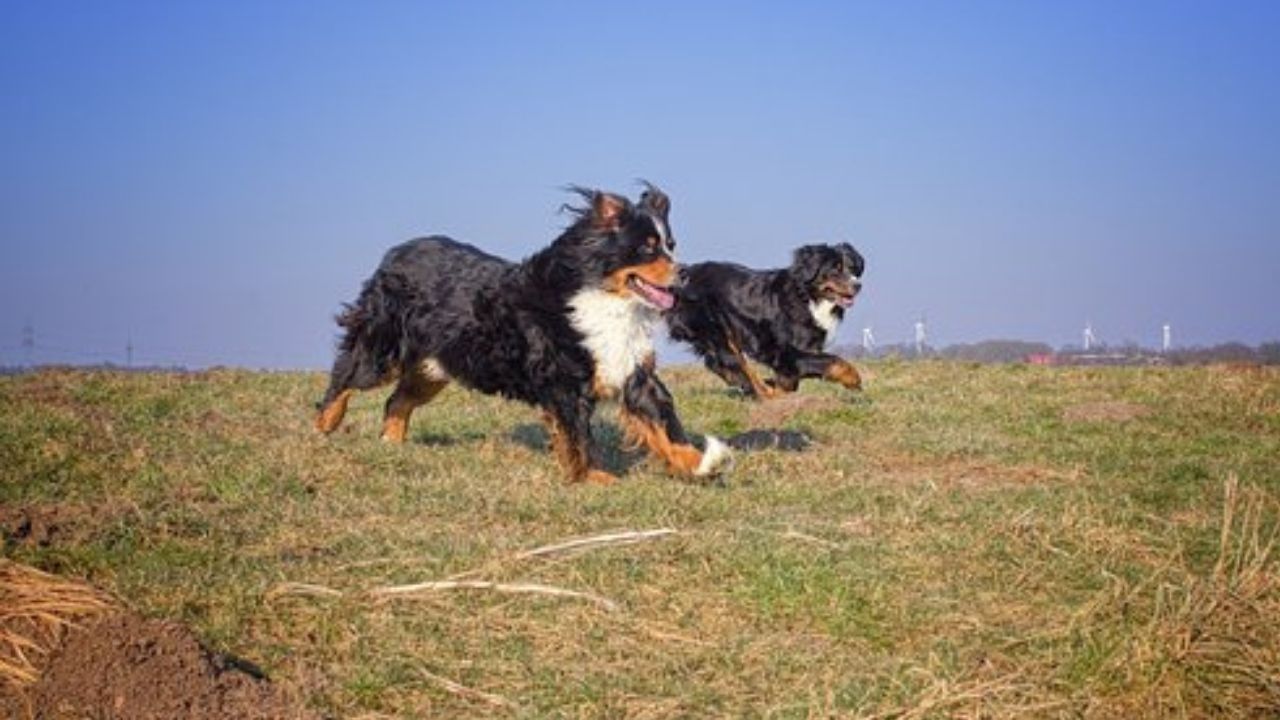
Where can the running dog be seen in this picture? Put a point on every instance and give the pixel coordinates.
(780, 318)
(564, 329)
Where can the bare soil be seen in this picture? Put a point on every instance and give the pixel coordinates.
(773, 413)
(127, 667)
(38, 526)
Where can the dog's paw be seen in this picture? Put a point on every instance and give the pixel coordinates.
(600, 477)
(717, 458)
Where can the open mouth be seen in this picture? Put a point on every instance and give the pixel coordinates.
(655, 295)
(839, 296)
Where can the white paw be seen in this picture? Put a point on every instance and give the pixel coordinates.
(716, 458)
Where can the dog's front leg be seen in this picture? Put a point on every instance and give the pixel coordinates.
(828, 367)
(649, 418)
(569, 425)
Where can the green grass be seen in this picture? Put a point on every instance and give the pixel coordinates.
(961, 540)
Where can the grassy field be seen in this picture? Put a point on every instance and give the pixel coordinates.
(959, 541)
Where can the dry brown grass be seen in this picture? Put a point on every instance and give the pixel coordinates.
(1211, 645)
(35, 610)
(953, 544)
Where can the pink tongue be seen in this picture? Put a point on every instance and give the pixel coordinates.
(658, 296)
(845, 302)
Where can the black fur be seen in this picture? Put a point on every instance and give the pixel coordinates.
(729, 313)
(505, 328)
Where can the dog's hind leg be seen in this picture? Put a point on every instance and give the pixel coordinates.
(727, 368)
(784, 382)
(732, 365)
(415, 388)
(350, 373)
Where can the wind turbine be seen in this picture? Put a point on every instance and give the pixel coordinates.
(921, 336)
(868, 340)
(1089, 337)
(1166, 341)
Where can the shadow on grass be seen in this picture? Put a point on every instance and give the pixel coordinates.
(432, 439)
(610, 445)
(618, 459)
(770, 439)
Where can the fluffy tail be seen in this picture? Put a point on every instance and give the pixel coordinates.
(372, 343)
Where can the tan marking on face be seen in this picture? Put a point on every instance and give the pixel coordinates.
(834, 289)
(660, 272)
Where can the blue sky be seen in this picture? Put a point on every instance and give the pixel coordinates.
(213, 179)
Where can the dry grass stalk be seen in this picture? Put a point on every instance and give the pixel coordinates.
(628, 537)
(395, 591)
(35, 607)
(463, 691)
(303, 589)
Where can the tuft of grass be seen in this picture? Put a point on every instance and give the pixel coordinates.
(35, 609)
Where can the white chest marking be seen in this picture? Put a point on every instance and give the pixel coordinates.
(823, 312)
(618, 332)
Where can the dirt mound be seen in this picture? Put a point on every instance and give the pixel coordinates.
(67, 651)
(127, 667)
(56, 524)
(772, 413)
(38, 526)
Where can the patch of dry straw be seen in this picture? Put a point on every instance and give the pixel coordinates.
(1211, 643)
(35, 609)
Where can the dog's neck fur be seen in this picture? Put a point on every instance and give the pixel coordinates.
(827, 315)
(618, 332)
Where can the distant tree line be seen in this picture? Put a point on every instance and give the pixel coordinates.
(1017, 351)
(1267, 353)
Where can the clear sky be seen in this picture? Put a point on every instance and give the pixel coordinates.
(212, 179)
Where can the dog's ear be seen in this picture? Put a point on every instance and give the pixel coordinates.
(806, 263)
(655, 200)
(605, 211)
(852, 259)
(608, 210)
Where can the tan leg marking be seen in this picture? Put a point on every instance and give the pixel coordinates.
(680, 458)
(844, 373)
(761, 388)
(572, 457)
(330, 417)
(412, 392)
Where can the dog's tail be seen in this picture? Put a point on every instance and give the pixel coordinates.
(372, 344)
